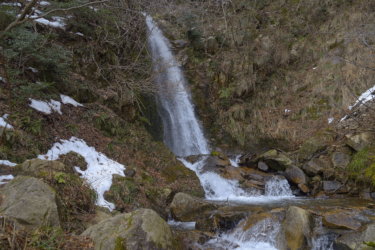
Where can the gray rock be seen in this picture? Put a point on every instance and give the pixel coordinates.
(354, 240)
(140, 229)
(297, 227)
(340, 159)
(30, 202)
(295, 175)
(331, 186)
(360, 141)
(313, 167)
(263, 166)
(188, 208)
(276, 160)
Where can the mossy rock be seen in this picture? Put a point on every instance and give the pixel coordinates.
(362, 165)
(315, 144)
(140, 229)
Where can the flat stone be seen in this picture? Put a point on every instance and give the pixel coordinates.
(331, 186)
(341, 219)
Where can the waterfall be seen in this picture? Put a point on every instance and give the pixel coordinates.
(182, 132)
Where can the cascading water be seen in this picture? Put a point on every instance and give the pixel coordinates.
(184, 136)
(182, 132)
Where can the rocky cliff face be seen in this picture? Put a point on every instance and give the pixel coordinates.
(273, 71)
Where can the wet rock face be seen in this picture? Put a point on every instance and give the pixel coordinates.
(342, 219)
(140, 229)
(30, 202)
(297, 226)
(187, 208)
(355, 240)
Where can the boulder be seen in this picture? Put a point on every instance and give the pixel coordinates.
(297, 226)
(140, 229)
(313, 167)
(314, 145)
(263, 166)
(29, 201)
(38, 167)
(276, 160)
(331, 186)
(341, 219)
(355, 240)
(188, 208)
(220, 220)
(340, 159)
(212, 45)
(295, 175)
(360, 141)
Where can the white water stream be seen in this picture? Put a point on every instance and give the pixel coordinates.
(184, 136)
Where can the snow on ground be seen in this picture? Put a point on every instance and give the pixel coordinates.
(55, 106)
(330, 120)
(44, 3)
(7, 163)
(12, 4)
(2, 79)
(5, 178)
(287, 111)
(57, 23)
(42, 106)
(366, 96)
(4, 123)
(99, 167)
(68, 100)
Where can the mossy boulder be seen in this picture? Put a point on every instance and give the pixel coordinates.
(188, 208)
(75, 199)
(314, 145)
(184, 179)
(297, 226)
(30, 202)
(276, 160)
(141, 229)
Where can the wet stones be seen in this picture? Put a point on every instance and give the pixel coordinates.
(297, 226)
(188, 208)
(342, 219)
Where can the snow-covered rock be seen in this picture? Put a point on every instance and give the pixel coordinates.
(99, 167)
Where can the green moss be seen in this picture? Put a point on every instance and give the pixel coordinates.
(362, 165)
(120, 243)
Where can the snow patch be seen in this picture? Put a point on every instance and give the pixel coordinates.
(12, 4)
(68, 100)
(2, 79)
(366, 96)
(4, 123)
(5, 178)
(99, 167)
(286, 111)
(44, 3)
(40, 106)
(58, 23)
(7, 163)
(34, 70)
(330, 120)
